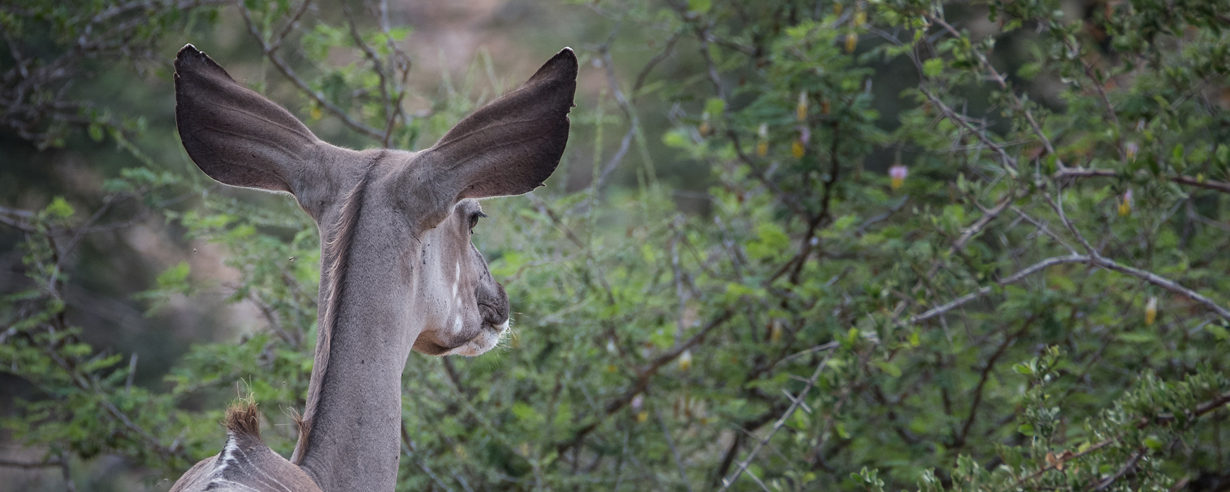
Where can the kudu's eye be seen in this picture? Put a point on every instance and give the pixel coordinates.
(474, 219)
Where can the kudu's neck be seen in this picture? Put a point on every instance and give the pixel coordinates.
(350, 435)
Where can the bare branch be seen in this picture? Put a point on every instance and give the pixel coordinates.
(1161, 282)
(670, 443)
(1002, 81)
(608, 66)
(1200, 410)
(1123, 470)
(781, 421)
(1011, 279)
(975, 228)
(30, 465)
(1008, 161)
(1095, 260)
(1221, 186)
(642, 379)
(273, 56)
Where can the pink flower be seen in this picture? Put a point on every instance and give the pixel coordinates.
(898, 174)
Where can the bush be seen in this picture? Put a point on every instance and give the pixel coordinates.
(941, 247)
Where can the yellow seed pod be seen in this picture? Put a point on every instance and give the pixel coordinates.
(705, 129)
(851, 42)
(1151, 311)
(642, 416)
(838, 8)
(800, 111)
(1125, 203)
(315, 113)
(796, 149)
(762, 145)
(775, 331)
(860, 18)
(685, 360)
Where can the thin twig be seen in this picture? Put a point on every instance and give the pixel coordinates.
(1003, 84)
(975, 228)
(273, 56)
(410, 450)
(1123, 470)
(1162, 282)
(643, 376)
(1095, 260)
(985, 375)
(653, 62)
(670, 443)
(781, 421)
(1221, 186)
(30, 465)
(1011, 279)
(1200, 410)
(608, 66)
(1008, 161)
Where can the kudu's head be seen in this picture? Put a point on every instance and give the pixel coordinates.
(395, 224)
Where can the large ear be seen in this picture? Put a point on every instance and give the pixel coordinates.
(511, 145)
(235, 135)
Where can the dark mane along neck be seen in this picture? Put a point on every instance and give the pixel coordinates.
(336, 250)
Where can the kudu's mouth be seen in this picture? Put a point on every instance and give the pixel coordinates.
(486, 339)
(493, 311)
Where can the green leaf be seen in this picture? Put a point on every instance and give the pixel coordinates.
(1152, 442)
(771, 240)
(400, 33)
(59, 208)
(96, 132)
(526, 413)
(175, 277)
(889, 368)
(1137, 337)
(933, 67)
(676, 139)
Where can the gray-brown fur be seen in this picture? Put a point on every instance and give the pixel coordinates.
(399, 272)
(339, 250)
(245, 463)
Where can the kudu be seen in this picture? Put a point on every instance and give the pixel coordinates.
(398, 270)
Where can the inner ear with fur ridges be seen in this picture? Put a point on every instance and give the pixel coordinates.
(509, 146)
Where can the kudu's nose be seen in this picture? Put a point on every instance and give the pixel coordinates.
(492, 302)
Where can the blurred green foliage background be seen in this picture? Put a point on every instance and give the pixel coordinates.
(793, 245)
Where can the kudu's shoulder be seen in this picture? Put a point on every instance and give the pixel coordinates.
(246, 463)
